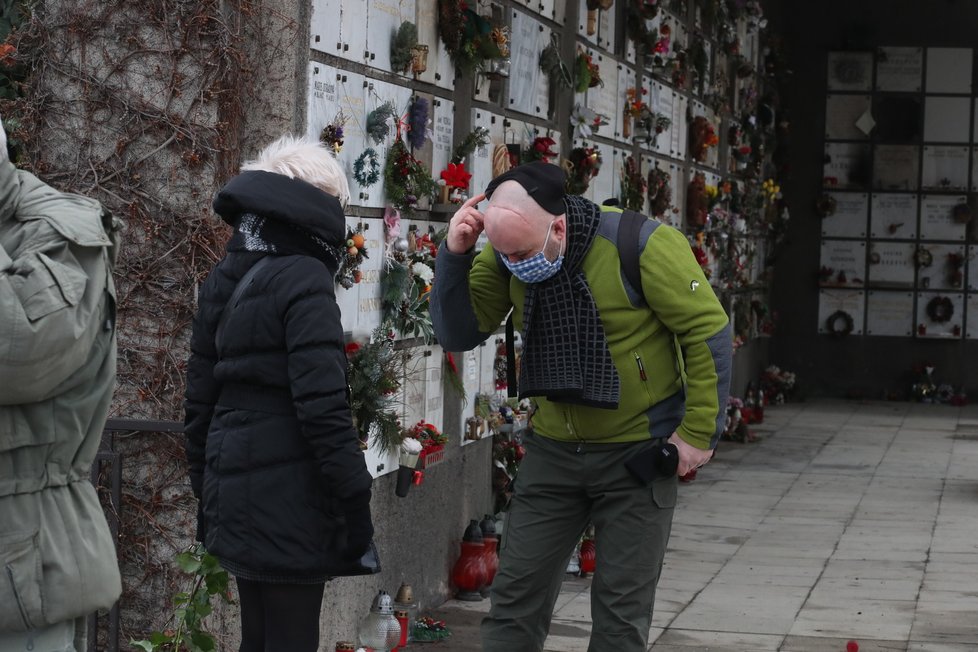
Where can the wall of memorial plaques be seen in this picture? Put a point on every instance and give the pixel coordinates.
(633, 107)
(900, 153)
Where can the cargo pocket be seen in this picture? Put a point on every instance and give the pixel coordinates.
(664, 492)
(20, 586)
(50, 286)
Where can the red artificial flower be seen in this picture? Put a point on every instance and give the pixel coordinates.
(456, 176)
(352, 349)
(450, 359)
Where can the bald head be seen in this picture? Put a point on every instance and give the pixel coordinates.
(517, 226)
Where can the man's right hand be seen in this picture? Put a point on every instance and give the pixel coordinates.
(465, 227)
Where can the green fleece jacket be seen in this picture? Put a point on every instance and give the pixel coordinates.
(676, 312)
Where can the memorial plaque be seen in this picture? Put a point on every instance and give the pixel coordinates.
(481, 159)
(889, 313)
(353, 29)
(899, 69)
(368, 307)
(844, 262)
(972, 304)
(899, 119)
(846, 166)
(837, 305)
(891, 264)
(440, 70)
(850, 71)
(894, 216)
(443, 121)
(525, 77)
(324, 29)
(949, 70)
(843, 115)
(945, 167)
(895, 167)
(937, 217)
(946, 271)
(849, 219)
(947, 119)
(384, 18)
(973, 274)
(939, 315)
(603, 185)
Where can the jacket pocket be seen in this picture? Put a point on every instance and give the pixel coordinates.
(20, 585)
(641, 373)
(664, 492)
(49, 284)
(26, 425)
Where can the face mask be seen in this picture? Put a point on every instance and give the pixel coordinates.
(536, 268)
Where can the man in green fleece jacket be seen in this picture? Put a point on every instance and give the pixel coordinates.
(615, 373)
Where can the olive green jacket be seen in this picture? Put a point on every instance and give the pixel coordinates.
(670, 340)
(57, 373)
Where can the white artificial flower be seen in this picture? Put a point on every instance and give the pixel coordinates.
(422, 271)
(411, 445)
(582, 120)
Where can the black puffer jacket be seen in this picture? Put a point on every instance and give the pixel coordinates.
(274, 457)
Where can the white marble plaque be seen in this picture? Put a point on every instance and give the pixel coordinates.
(845, 262)
(605, 99)
(677, 173)
(606, 29)
(973, 273)
(351, 98)
(947, 119)
(324, 29)
(832, 301)
(850, 71)
(945, 167)
(324, 98)
(353, 29)
(889, 313)
(891, 264)
(440, 70)
(480, 162)
(525, 77)
(434, 404)
(946, 272)
(949, 326)
(842, 113)
(936, 219)
(663, 101)
(846, 166)
(949, 70)
(368, 307)
(849, 219)
(384, 18)
(894, 216)
(972, 332)
(895, 167)
(899, 69)
(443, 126)
(626, 78)
(680, 127)
(348, 299)
(377, 93)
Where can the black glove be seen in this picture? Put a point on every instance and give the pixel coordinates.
(359, 529)
(201, 525)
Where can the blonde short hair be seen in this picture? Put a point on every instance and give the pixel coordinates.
(306, 159)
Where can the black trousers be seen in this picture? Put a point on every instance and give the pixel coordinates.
(279, 617)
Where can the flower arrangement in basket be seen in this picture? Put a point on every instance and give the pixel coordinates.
(587, 74)
(374, 372)
(354, 255)
(468, 37)
(431, 438)
(584, 163)
(406, 278)
(406, 181)
(633, 185)
(702, 136)
(540, 150)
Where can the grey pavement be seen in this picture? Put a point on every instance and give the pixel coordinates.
(846, 521)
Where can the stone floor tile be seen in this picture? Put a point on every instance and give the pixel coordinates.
(834, 644)
(700, 640)
(855, 618)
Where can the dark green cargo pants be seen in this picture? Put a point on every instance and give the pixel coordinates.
(561, 487)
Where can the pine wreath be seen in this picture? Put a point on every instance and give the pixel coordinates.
(940, 309)
(369, 160)
(839, 323)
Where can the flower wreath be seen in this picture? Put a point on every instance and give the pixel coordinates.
(825, 205)
(839, 323)
(940, 309)
(369, 160)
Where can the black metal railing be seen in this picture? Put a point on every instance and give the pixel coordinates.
(108, 467)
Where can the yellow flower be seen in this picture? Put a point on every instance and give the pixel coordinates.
(711, 191)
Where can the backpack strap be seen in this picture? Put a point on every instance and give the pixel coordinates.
(239, 289)
(629, 247)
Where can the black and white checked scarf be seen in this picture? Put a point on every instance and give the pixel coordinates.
(565, 352)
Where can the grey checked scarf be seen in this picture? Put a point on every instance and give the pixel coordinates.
(565, 351)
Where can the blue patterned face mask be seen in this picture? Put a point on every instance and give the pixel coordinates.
(536, 268)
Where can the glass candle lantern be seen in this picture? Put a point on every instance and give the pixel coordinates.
(380, 630)
(469, 573)
(404, 601)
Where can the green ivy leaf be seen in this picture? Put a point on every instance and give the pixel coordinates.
(143, 645)
(203, 641)
(188, 562)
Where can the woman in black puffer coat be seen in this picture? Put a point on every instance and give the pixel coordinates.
(274, 457)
